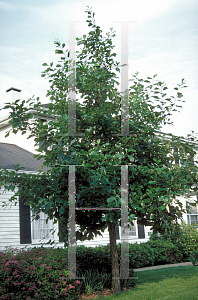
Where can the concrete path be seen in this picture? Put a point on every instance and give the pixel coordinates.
(164, 266)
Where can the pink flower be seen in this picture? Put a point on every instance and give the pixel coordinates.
(57, 291)
(71, 286)
(77, 281)
(39, 282)
(43, 265)
(36, 294)
(65, 290)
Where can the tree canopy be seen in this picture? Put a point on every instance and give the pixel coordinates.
(155, 180)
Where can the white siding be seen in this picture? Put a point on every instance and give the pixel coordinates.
(9, 222)
(10, 225)
(105, 239)
(17, 139)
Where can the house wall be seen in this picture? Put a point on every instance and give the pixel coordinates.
(105, 239)
(10, 229)
(9, 222)
(10, 225)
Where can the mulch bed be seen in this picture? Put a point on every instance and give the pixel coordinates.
(104, 293)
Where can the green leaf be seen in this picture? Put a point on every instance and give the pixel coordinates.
(61, 211)
(131, 157)
(58, 51)
(179, 95)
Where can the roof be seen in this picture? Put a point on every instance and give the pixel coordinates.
(13, 89)
(11, 154)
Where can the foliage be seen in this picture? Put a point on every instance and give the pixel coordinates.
(42, 266)
(94, 280)
(154, 178)
(194, 257)
(152, 253)
(164, 252)
(155, 252)
(94, 258)
(36, 274)
(186, 239)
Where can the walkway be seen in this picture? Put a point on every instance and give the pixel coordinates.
(164, 266)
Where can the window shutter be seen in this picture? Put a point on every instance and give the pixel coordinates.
(117, 232)
(25, 222)
(141, 232)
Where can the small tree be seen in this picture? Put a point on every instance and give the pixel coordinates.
(154, 179)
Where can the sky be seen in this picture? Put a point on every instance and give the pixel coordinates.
(163, 40)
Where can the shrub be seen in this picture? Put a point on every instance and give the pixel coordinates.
(94, 258)
(165, 252)
(140, 255)
(98, 259)
(39, 273)
(36, 274)
(186, 239)
(194, 258)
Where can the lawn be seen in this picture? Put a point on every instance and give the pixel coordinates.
(162, 284)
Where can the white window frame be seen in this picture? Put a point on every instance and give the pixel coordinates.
(135, 230)
(48, 226)
(192, 214)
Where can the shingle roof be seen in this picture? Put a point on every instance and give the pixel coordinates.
(11, 154)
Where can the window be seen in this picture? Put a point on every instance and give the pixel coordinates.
(192, 216)
(41, 229)
(132, 230)
(136, 230)
(33, 231)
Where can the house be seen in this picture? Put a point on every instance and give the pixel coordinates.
(16, 226)
(17, 229)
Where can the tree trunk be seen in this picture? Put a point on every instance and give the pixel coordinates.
(114, 258)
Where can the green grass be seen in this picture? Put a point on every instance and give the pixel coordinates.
(163, 284)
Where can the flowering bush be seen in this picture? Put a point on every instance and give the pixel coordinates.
(36, 274)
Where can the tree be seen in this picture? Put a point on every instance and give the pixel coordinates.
(154, 179)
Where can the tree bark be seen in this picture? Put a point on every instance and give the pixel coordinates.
(114, 259)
